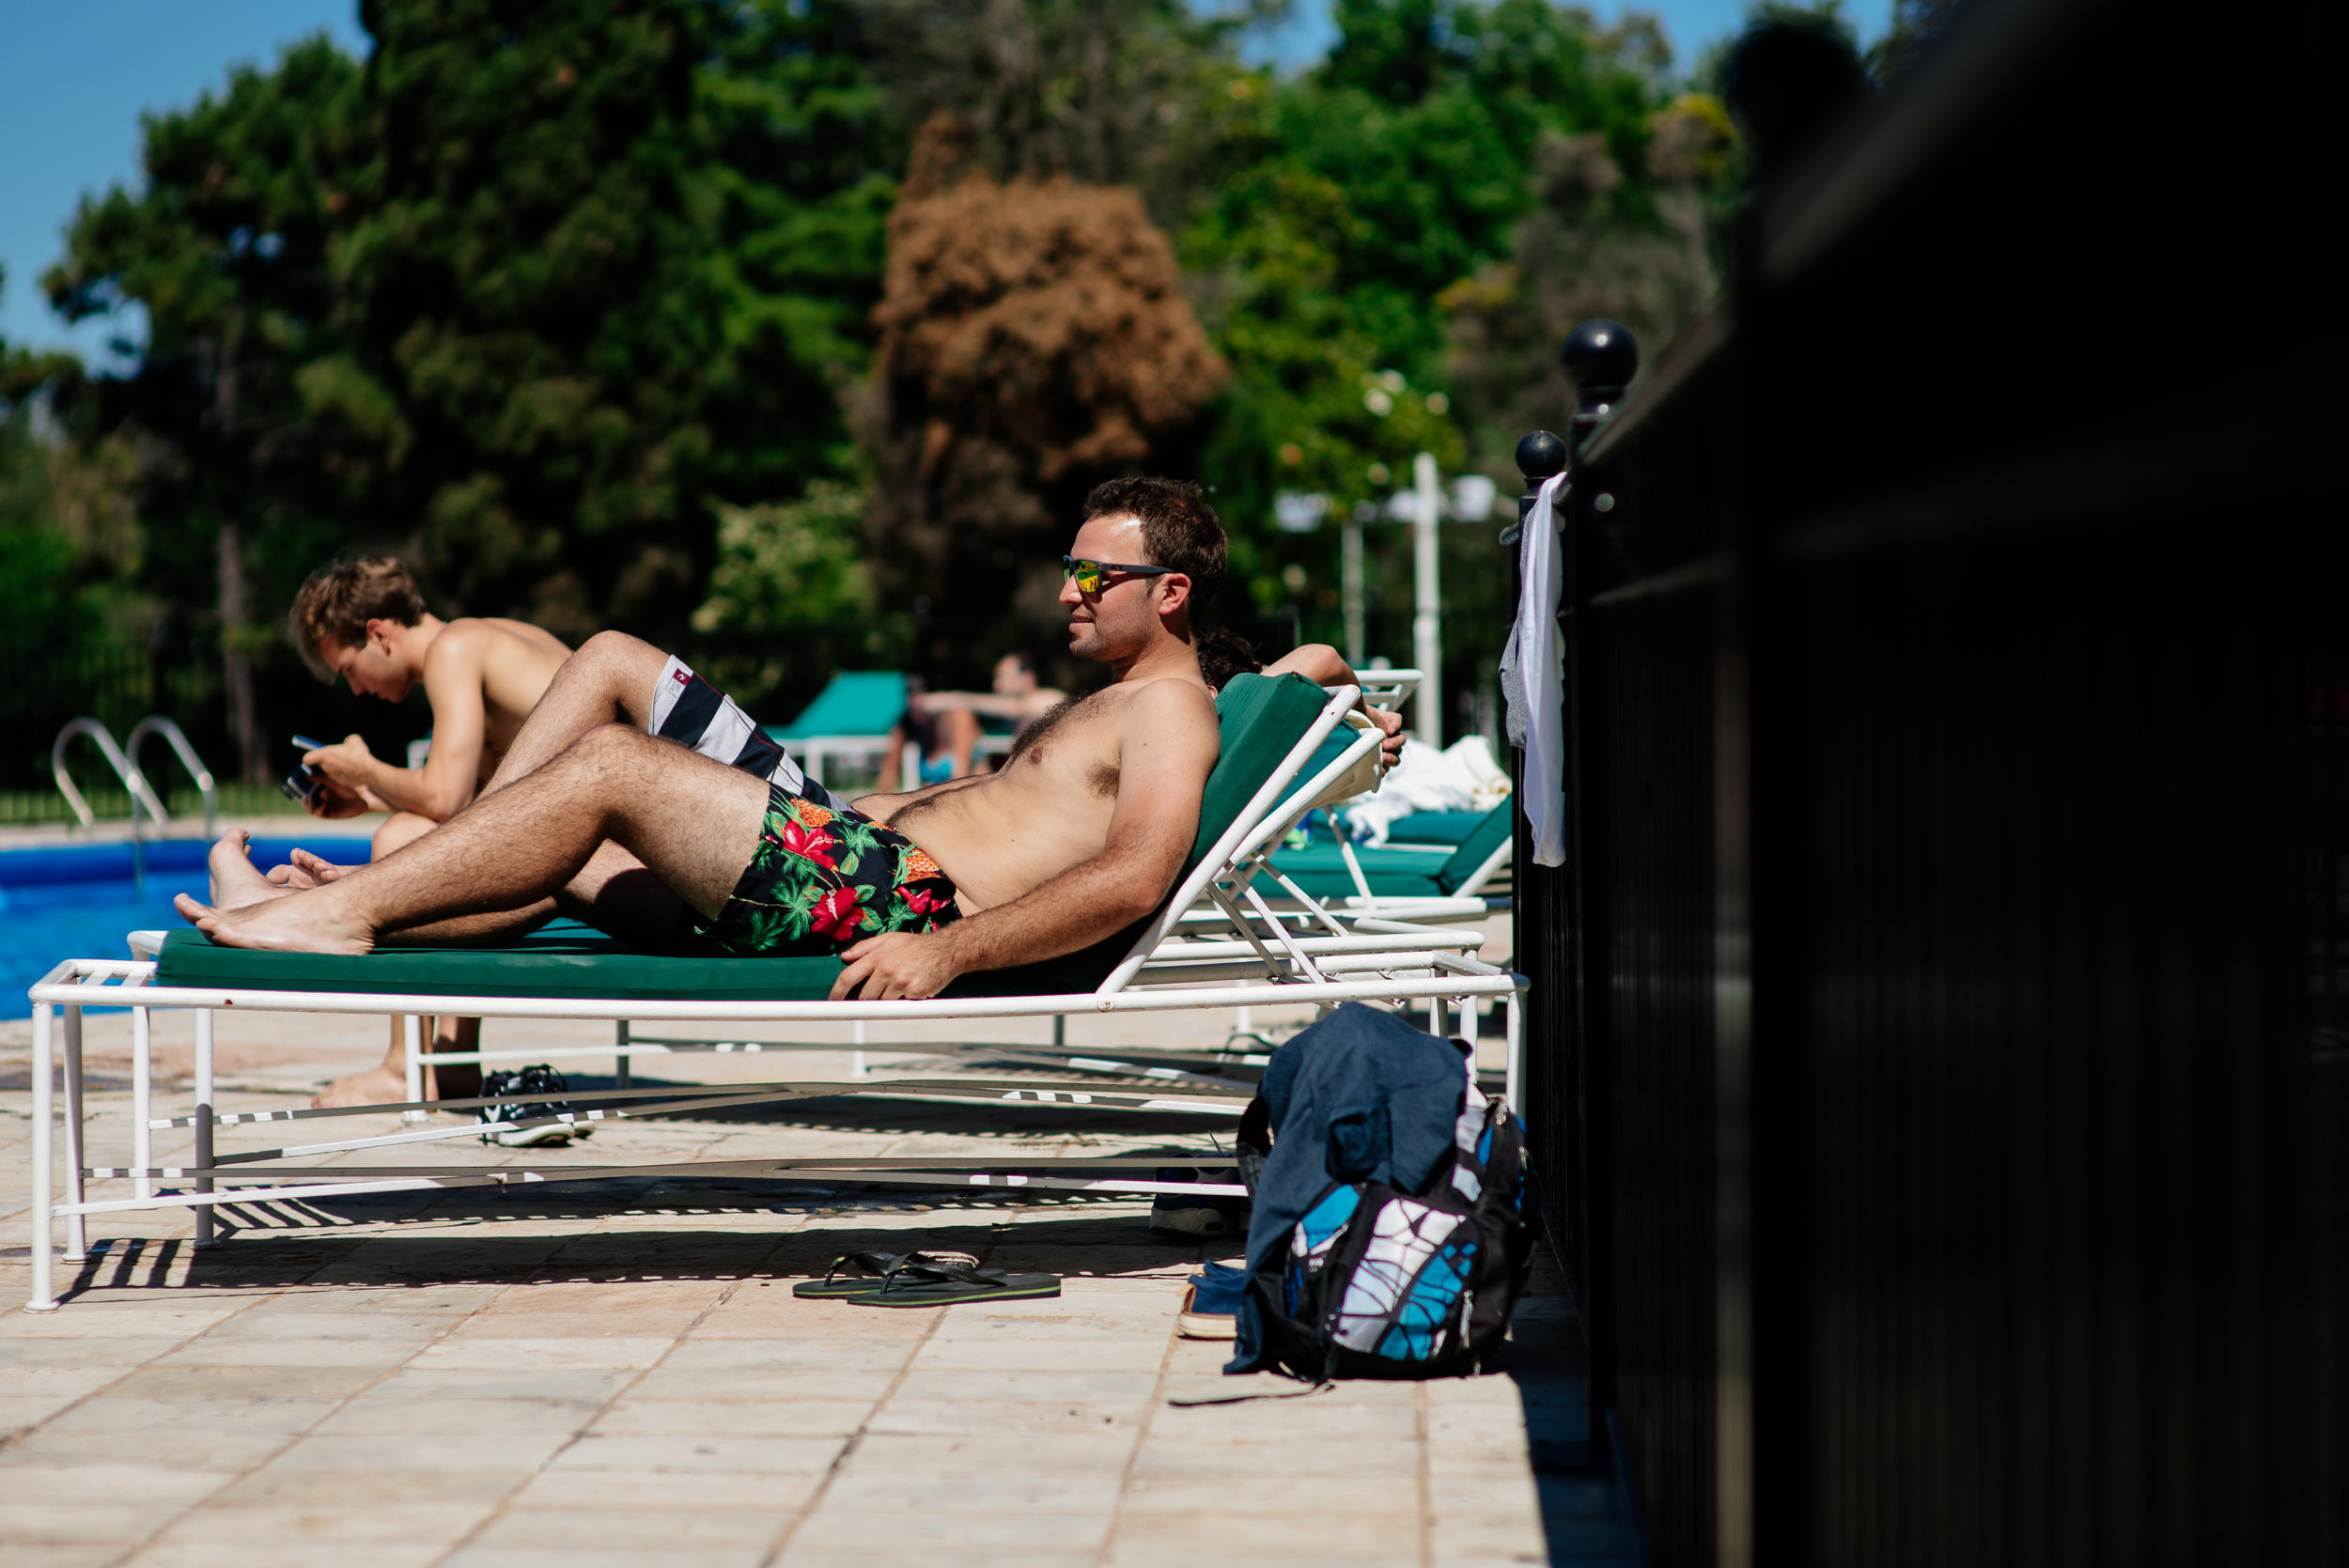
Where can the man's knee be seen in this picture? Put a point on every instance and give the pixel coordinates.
(399, 829)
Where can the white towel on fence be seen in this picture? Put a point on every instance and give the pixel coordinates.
(1532, 677)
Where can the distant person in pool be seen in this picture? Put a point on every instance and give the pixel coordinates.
(946, 726)
(364, 622)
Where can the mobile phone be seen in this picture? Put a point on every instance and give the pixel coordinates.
(306, 784)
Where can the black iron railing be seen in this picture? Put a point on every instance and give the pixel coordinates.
(1938, 1045)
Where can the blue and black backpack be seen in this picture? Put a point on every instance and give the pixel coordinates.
(1376, 1283)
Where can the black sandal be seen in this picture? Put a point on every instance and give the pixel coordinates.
(877, 1269)
(945, 1284)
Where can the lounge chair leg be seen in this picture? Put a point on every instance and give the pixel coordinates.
(76, 1157)
(1516, 1053)
(411, 1043)
(142, 1099)
(43, 1295)
(620, 1072)
(203, 1121)
(856, 1057)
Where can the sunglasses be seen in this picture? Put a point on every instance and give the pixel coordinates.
(1090, 575)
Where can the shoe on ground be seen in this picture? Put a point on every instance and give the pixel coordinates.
(1203, 1218)
(498, 1121)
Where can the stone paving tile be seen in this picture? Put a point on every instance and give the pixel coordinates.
(1047, 1453)
(709, 1452)
(234, 1382)
(520, 1381)
(572, 1557)
(381, 1352)
(813, 1354)
(291, 1325)
(72, 1352)
(122, 1523)
(594, 1491)
(282, 1554)
(455, 1355)
(275, 1486)
(61, 1554)
(782, 1418)
(412, 1450)
(675, 1530)
(210, 1448)
(1009, 1421)
(844, 1531)
(1388, 1496)
(1090, 1353)
(19, 1411)
(67, 1383)
(104, 1486)
(1088, 1491)
(376, 1415)
(421, 1525)
(955, 1383)
(780, 1383)
(116, 1319)
(1339, 1458)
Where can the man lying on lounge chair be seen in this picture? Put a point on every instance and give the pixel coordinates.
(722, 843)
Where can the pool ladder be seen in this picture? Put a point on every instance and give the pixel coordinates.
(125, 762)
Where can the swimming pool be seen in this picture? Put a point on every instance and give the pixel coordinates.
(77, 901)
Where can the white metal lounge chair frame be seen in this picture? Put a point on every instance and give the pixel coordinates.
(1268, 965)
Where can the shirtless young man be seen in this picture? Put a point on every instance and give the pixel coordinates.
(364, 622)
(726, 845)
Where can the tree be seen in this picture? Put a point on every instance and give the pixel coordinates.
(1034, 340)
(227, 248)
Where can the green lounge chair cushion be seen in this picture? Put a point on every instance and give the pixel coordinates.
(1261, 719)
(1319, 869)
(861, 701)
(1400, 871)
(1475, 849)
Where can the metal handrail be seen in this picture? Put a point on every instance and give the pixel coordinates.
(155, 723)
(123, 767)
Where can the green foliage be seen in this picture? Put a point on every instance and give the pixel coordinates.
(528, 298)
(791, 563)
(1348, 203)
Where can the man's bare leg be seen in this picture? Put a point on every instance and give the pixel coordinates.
(386, 1083)
(691, 821)
(610, 679)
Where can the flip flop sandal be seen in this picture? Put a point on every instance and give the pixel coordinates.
(932, 1285)
(872, 1271)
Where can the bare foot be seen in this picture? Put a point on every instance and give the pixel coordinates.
(290, 923)
(376, 1086)
(305, 870)
(235, 882)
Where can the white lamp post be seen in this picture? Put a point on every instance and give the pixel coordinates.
(1427, 595)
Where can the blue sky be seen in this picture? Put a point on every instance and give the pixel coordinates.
(74, 75)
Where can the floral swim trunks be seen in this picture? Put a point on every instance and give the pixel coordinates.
(821, 880)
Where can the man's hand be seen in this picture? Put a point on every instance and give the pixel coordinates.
(339, 800)
(348, 763)
(910, 964)
(1391, 747)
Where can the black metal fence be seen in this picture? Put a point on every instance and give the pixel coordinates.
(1939, 1028)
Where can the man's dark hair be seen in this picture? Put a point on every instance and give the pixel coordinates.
(1178, 528)
(339, 600)
(1025, 663)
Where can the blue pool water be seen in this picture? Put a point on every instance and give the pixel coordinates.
(78, 901)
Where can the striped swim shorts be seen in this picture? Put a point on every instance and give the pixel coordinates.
(691, 712)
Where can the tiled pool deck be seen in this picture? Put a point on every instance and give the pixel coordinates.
(620, 1375)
